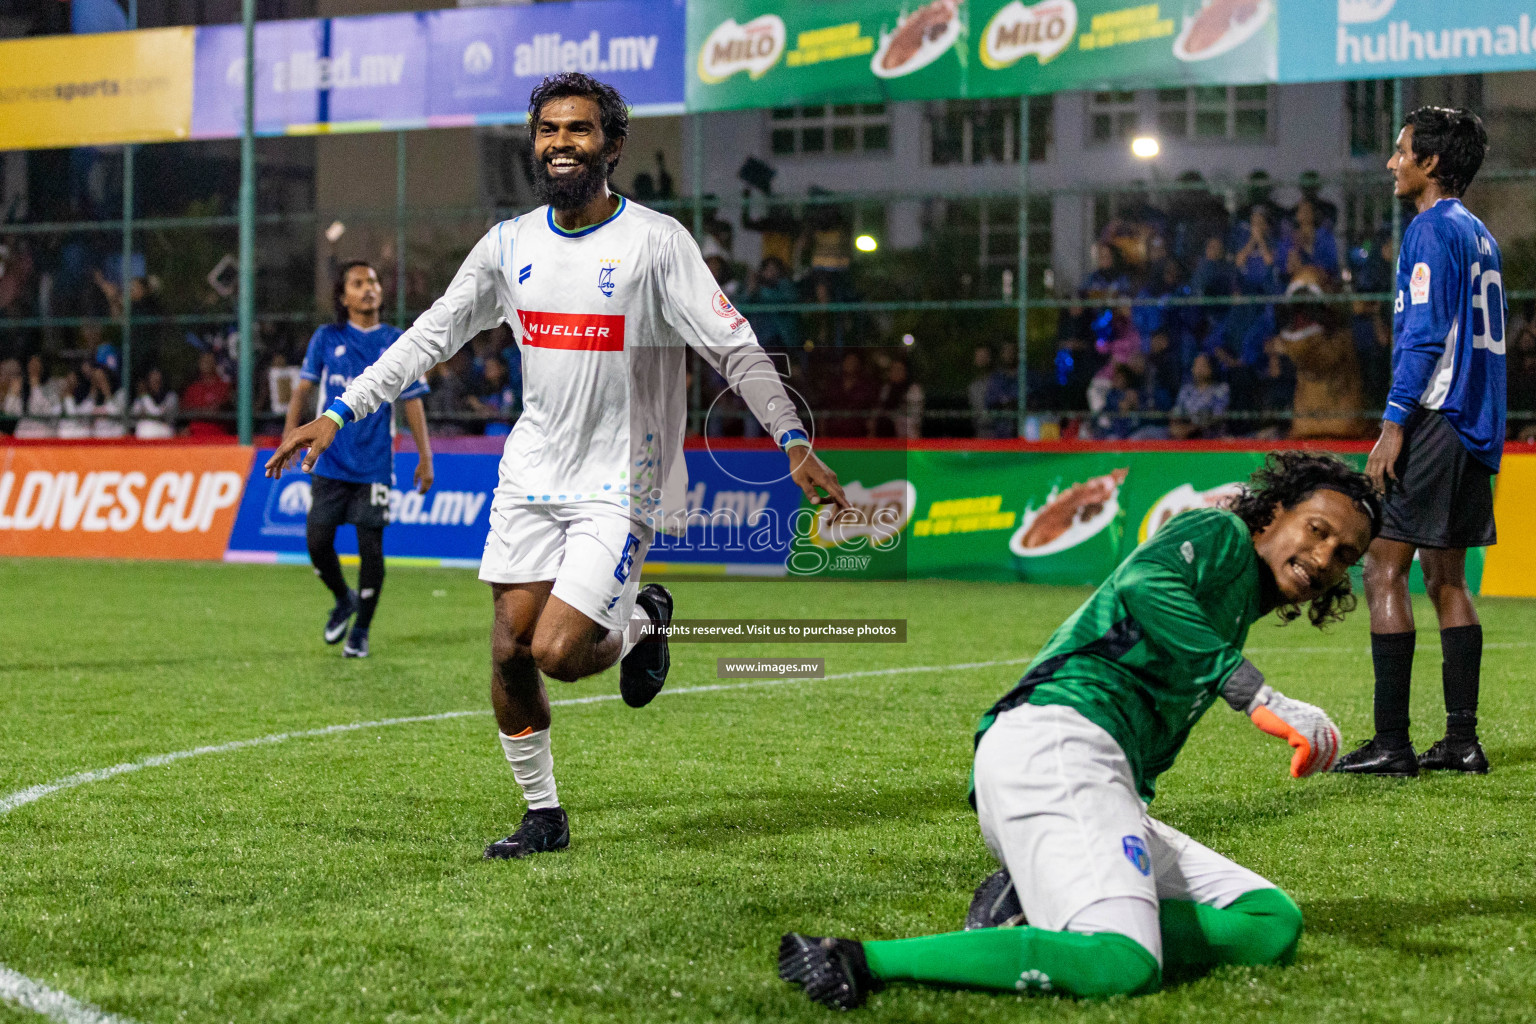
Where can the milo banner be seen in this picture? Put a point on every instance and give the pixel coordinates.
(1031, 517)
(757, 53)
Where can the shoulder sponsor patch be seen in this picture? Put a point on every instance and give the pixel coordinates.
(1418, 284)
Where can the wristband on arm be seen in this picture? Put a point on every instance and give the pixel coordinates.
(339, 413)
(794, 439)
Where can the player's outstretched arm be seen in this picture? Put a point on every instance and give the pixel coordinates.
(815, 478)
(696, 309)
(468, 307)
(316, 436)
(1306, 727)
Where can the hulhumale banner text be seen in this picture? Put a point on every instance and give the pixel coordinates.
(758, 53)
(1324, 40)
(435, 68)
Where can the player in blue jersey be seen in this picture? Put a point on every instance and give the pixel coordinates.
(1441, 438)
(351, 481)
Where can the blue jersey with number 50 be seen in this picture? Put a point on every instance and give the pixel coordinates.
(1448, 328)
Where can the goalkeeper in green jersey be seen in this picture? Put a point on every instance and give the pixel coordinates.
(1067, 760)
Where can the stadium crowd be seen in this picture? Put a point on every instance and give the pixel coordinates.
(1196, 320)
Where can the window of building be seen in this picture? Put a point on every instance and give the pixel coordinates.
(990, 229)
(1220, 112)
(1370, 117)
(837, 128)
(986, 131)
(1113, 116)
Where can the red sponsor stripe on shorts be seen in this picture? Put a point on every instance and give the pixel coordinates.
(582, 332)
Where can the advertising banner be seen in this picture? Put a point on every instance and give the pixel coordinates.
(741, 507)
(96, 90)
(435, 68)
(758, 53)
(1055, 518)
(120, 501)
(1327, 40)
(445, 526)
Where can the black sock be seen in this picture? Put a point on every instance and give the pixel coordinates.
(1392, 656)
(370, 573)
(1461, 648)
(322, 555)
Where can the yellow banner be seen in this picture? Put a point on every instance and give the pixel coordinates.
(1510, 569)
(103, 89)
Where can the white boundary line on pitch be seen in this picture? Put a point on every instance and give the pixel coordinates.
(20, 990)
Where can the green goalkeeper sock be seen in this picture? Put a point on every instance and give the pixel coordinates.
(1105, 964)
(1259, 927)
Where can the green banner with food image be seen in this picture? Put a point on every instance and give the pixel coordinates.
(1055, 518)
(756, 53)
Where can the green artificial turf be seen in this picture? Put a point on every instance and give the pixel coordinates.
(339, 878)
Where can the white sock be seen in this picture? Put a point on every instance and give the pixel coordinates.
(638, 620)
(533, 766)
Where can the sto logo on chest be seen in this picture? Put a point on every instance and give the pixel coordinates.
(581, 332)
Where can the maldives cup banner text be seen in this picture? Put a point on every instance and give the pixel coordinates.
(1329, 40)
(757, 53)
(442, 68)
(120, 501)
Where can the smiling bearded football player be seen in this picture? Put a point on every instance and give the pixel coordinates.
(603, 295)
(1067, 761)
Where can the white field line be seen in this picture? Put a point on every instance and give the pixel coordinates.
(20, 990)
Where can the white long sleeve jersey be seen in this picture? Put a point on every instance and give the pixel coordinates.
(601, 316)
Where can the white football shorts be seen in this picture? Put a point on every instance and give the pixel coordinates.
(1058, 807)
(592, 550)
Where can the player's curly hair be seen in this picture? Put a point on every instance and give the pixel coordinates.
(1286, 480)
(339, 288)
(613, 112)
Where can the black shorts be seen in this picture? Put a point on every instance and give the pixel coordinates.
(1443, 496)
(334, 502)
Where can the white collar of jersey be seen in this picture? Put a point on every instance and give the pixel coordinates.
(365, 330)
(557, 229)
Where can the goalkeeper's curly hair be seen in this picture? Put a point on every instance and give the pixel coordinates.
(1285, 480)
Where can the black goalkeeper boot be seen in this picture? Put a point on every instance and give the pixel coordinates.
(995, 903)
(1375, 758)
(1450, 755)
(833, 971)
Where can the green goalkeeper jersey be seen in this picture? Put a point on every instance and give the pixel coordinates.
(1152, 648)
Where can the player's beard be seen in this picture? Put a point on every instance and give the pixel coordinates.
(574, 192)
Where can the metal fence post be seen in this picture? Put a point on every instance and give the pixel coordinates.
(400, 230)
(1397, 205)
(696, 393)
(1023, 282)
(125, 275)
(246, 322)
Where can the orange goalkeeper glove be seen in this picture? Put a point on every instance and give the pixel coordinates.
(1304, 726)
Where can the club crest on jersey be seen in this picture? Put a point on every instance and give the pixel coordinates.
(1136, 853)
(605, 276)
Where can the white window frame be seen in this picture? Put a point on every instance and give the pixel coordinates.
(830, 120)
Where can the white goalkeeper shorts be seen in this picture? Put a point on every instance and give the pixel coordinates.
(1058, 807)
(592, 550)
